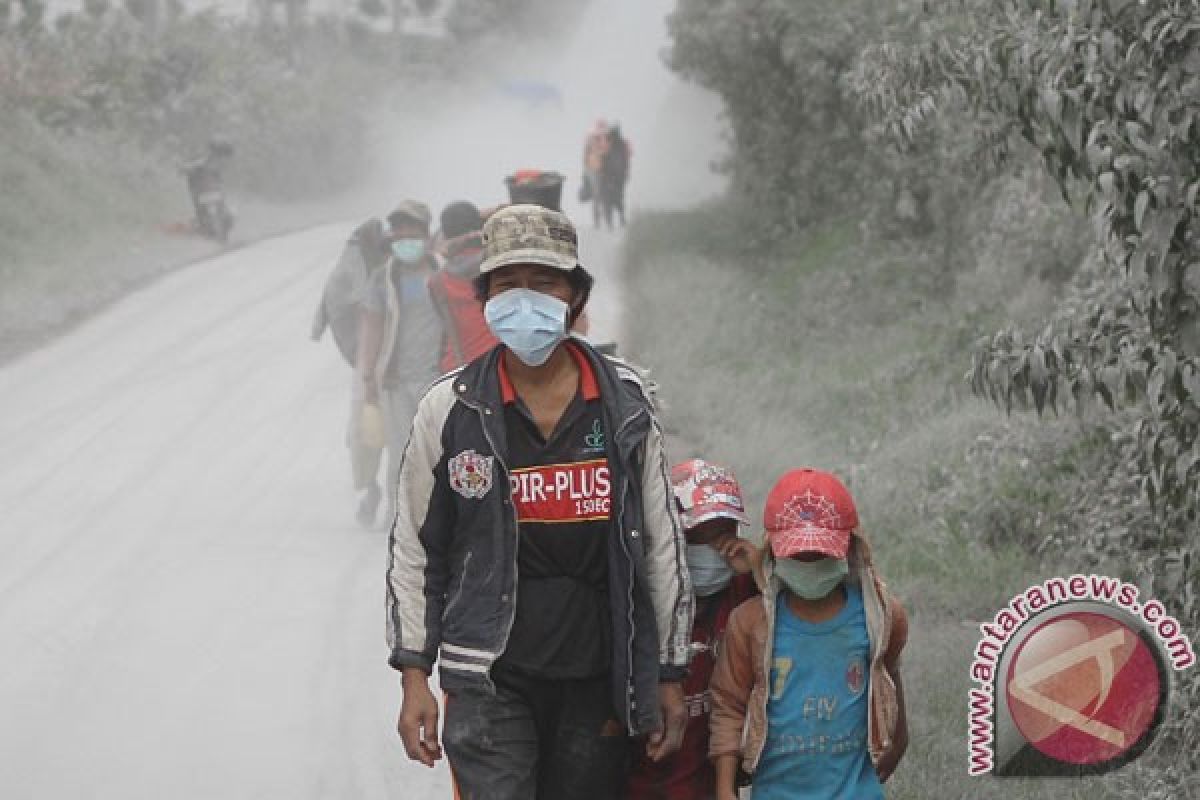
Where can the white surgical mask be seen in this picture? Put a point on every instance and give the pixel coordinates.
(812, 580)
(529, 323)
(709, 570)
(408, 251)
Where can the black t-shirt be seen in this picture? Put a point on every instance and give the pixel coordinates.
(562, 492)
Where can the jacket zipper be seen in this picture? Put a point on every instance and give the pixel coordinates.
(631, 701)
(512, 615)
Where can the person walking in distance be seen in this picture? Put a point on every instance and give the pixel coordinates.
(465, 334)
(614, 175)
(340, 312)
(399, 333)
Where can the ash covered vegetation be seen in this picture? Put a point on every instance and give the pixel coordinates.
(958, 263)
(104, 104)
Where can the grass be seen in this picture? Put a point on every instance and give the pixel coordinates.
(73, 211)
(833, 354)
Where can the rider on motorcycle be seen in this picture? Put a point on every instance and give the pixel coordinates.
(207, 188)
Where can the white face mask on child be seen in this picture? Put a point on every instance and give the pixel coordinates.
(812, 580)
(709, 570)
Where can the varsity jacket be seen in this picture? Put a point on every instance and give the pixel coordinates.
(741, 683)
(452, 572)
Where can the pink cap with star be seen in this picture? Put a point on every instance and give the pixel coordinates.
(809, 511)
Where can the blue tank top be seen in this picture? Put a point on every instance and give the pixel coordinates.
(816, 747)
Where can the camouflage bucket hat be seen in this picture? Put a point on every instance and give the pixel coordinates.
(528, 234)
(414, 210)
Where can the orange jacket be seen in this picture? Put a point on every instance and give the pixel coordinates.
(594, 151)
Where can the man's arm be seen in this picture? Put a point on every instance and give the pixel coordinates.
(418, 572)
(666, 561)
(370, 342)
(670, 592)
(371, 320)
(418, 567)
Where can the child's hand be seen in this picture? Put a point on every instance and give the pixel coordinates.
(741, 554)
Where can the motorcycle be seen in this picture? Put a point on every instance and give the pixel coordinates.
(213, 215)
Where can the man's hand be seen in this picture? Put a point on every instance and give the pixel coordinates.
(669, 738)
(418, 724)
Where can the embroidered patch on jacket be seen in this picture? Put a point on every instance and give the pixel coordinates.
(470, 474)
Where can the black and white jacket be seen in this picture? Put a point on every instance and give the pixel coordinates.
(453, 545)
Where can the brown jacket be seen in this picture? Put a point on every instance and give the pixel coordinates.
(741, 683)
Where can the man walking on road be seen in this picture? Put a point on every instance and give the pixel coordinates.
(400, 334)
(535, 548)
(341, 312)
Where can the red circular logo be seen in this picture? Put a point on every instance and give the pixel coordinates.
(1084, 688)
(855, 674)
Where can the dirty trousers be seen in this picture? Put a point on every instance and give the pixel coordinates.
(399, 403)
(536, 739)
(364, 461)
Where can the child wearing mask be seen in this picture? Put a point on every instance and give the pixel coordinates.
(724, 570)
(807, 698)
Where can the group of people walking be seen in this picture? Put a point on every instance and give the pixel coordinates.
(401, 306)
(601, 626)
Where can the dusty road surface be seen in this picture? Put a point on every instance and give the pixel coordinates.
(186, 605)
(187, 609)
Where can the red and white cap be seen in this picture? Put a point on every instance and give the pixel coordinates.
(705, 491)
(809, 511)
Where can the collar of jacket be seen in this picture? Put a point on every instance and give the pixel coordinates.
(626, 408)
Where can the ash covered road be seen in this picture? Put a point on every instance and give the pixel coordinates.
(186, 606)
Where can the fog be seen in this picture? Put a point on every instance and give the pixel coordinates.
(187, 607)
(532, 107)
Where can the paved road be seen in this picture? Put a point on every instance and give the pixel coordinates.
(186, 607)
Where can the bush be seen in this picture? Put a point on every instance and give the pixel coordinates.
(1106, 92)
